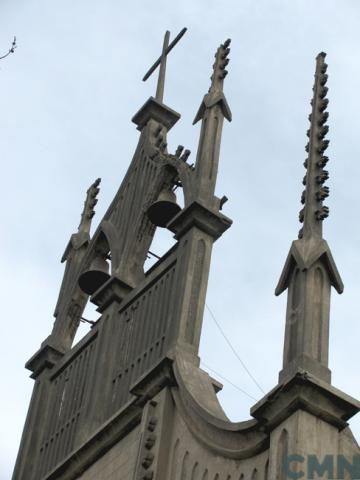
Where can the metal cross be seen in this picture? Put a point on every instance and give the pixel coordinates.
(162, 62)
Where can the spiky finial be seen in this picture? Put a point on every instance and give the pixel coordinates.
(219, 67)
(314, 212)
(90, 202)
(215, 94)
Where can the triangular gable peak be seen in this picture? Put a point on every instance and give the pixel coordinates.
(303, 255)
(211, 99)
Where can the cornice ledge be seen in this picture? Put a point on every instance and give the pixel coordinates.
(46, 357)
(114, 290)
(305, 392)
(153, 109)
(198, 215)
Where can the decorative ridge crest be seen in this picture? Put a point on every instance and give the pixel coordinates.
(314, 212)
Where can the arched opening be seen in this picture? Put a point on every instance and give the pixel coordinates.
(266, 470)
(282, 455)
(162, 242)
(205, 475)
(174, 460)
(163, 239)
(185, 467)
(318, 313)
(94, 276)
(195, 471)
(87, 320)
(293, 319)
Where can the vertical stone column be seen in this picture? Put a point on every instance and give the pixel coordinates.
(156, 430)
(196, 229)
(27, 460)
(306, 343)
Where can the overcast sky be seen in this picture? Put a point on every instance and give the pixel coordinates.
(66, 99)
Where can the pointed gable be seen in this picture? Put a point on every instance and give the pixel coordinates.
(303, 254)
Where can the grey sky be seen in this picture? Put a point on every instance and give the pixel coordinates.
(66, 99)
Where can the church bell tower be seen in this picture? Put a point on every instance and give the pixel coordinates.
(129, 400)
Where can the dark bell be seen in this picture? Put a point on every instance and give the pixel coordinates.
(95, 277)
(164, 209)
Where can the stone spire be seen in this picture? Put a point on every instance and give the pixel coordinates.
(201, 223)
(88, 211)
(310, 270)
(212, 111)
(71, 300)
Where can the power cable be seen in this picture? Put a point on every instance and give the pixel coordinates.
(233, 349)
(228, 381)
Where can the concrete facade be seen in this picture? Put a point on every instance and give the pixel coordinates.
(118, 462)
(129, 401)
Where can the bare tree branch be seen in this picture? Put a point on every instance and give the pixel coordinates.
(11, 50)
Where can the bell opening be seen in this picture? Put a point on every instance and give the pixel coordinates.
(92, 280)
(98, 273)
(161, 212)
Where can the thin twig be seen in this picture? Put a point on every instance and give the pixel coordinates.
(11, 50)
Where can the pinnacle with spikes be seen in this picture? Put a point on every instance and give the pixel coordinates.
(311, 245)
(212, 111)
(314, 212)
(63, 331)
(310, 270)
(83, 234)
(215, 94)
(219, 67)
(89, 204)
